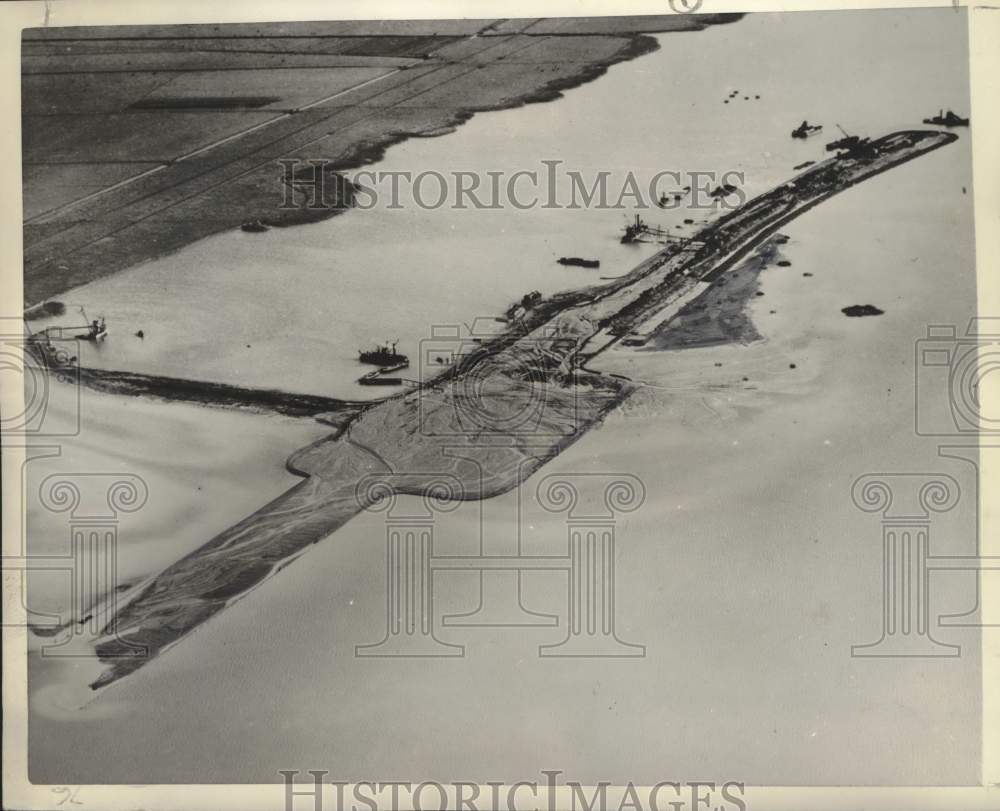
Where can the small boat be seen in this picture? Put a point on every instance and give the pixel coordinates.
(806, 130)
(576, 261)
(949, 119)
(96, 331)
(253, 227)
(724, 190)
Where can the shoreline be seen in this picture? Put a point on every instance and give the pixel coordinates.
(100, 237)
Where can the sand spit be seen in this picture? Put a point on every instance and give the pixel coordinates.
(109, 185)
(216, 394)
(483, 427)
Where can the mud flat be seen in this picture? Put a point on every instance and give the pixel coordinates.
(109, 184)
(481, 428)
(719, 315)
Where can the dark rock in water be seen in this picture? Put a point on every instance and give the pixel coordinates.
(783, 263)
(859, 310)
(791, 365)
(759, 293)
(807, 273)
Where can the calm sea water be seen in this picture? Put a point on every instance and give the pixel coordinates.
(747, 573)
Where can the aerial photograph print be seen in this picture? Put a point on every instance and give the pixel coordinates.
(495, 405)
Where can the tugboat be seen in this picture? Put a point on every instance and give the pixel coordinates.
(949, 119)
(384, 355)
(634, 230)
(806, 130)
(253, 227)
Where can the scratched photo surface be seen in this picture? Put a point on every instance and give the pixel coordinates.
(462, 399)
